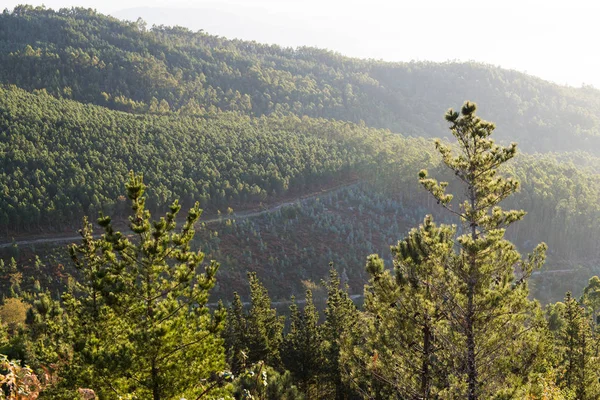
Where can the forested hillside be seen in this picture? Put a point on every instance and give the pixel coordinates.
(89, 57)
(452, 318)
(207, 176)
(236, 125)
(63, 159)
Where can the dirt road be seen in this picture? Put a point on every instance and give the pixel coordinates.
(237, 216)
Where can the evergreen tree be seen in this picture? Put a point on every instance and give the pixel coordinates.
(234, 335)
(265, 383)
(591, 299)
(50, 331)
(487, 287)
(406, 313)
(485, 296)
(578, 358)
(489, 338)
(143, 302)
(264, 328)
(340, 317)
(88, 303)
(49, 344)
(302, 351)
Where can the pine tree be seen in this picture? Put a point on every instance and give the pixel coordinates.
(49, 343)
(234, 335)
(591, 299)
(264, 328)
(405, 315)
(340, 317)
(576, 344)
(265, 383)
(485, 295)
(143, 301)
(302, 351)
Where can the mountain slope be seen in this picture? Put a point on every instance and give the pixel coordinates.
(237, 124)
(62, 159)
(90, 57)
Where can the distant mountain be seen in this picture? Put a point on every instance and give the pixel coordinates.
(85, 97)
(90, 57)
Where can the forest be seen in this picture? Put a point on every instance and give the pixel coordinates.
(188, 216)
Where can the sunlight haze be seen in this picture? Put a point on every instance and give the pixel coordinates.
(554, 40)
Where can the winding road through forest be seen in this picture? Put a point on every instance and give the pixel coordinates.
(238, 216)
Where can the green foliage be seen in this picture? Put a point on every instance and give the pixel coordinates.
(264, 327)
(216, 121)
(591, 299)
(405, 320)
(488, 300)
(455, 321)
(82, 154)
(235, 335)
(302, 348)
(261, 382)
(92, 58)
(254, 336)
(309, 352)
(50, 334)
(341, 316)
(577, 349)
(141, 321)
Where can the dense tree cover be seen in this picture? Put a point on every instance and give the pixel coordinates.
(134, 324)
(308, 349)
(78, 53)
(136, 321)
(296, 242)
(452, 319)
(192, 128)
(141, 322)
(62, 159)
(227, 123)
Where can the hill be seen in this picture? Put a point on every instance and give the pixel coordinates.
(85, 98)
(63, 159)
(93, 58)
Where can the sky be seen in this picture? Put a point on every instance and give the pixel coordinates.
(555, 40)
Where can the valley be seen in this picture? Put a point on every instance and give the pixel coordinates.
(319, 221)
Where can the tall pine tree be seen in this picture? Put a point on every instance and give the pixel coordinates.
(302, 349)
(141, 310)
(235, 335)
(405, 316)
(486, 294)
(341, 316)
(264, 328)
(454, 320)
(577, 348)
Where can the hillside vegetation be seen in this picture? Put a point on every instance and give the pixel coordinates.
(314, 168)
(63, 159)
(232, 124)
(89, 57)
(452, 317)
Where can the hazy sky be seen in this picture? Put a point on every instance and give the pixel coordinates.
(556, 40)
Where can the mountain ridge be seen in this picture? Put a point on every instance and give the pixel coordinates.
(89, 57)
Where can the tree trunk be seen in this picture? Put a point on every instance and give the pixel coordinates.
(470, 334)
(155, 386)
(471, 369)
(425, 373)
